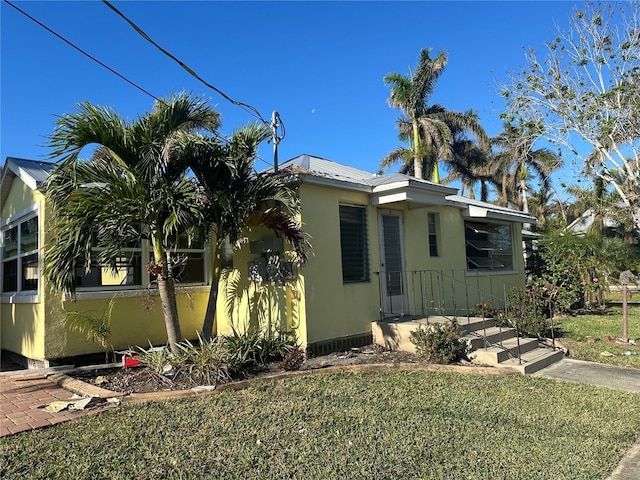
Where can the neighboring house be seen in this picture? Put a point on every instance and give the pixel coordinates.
(383, 245)
(581, 225)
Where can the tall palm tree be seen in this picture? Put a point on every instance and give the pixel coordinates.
(410, 94)
(238, 198)
(133, 187)
(430, 130)
(514, 162)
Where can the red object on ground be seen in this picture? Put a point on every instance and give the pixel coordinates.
(128, 362)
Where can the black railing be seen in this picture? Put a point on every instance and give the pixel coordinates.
(454, 294)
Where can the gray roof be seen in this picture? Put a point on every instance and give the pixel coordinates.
(327, 169)
(321, 167)
(396, 187)
(31, 172)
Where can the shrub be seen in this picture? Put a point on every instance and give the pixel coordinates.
(255, 349)
(573, 271)
(209, 363)
(485, 310)
(439, 343)
(527, 309)
(293, 360)
(156, 359)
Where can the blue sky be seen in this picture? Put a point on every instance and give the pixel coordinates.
(319, 64)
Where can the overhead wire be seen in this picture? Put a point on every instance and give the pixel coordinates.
(246, 107)
(68, 42)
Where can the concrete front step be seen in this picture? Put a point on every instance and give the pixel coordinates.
(502, 352)
(534, 360)
(489, 345)
(487, 336)
(471, 324)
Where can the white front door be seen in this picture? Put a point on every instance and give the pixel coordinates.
(392, 271)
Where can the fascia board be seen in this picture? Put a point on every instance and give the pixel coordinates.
(411, 195)
(473, 211)
(415, 186)
(329, 182)
(25, 177)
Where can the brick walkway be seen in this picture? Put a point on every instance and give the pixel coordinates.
(22, 403)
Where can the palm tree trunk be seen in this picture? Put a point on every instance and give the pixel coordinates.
(436, 173)
(209, 316)
(525, 200)
(166, 288)
(417, 159)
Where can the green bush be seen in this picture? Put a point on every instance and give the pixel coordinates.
(439, 343)
(573, 272)
(256, 349)
(209, 363)
(528, 310)
(485, 310)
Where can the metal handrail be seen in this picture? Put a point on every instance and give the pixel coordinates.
(425, 284)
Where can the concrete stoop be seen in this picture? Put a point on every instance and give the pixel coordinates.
(499, 347)
(488, 344)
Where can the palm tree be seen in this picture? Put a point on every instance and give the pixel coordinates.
(429, 129)
(468, 161)
(410, 95)
(514, 160)
(239, 198)
(133, 187)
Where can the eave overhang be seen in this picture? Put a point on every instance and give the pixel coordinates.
(474, 209)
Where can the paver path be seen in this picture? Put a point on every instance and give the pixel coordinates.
(22, 403)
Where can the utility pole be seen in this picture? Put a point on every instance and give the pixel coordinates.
(276, 122)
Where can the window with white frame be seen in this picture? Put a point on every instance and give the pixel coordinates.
(20, 255)
(354, 244)
(489, 246)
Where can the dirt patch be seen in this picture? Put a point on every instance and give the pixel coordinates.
(144, 380)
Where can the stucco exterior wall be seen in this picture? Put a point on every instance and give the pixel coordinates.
(244, 304)
(136, 319)
(335, 309)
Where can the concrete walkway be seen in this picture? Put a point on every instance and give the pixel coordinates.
(578, 371)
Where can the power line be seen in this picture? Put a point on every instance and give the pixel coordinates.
(130, 82)
(251, 109)
(246, 107)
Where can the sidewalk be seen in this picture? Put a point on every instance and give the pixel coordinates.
(579, 371)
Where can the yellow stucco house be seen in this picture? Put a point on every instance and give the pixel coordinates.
(383, 245)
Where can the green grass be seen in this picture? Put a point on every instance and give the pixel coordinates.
(575, 330)
(351, 425)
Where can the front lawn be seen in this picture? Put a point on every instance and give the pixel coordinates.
(395, 424)
(575, 330)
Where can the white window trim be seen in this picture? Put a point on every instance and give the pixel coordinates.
(103, 294)
(21, 296)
